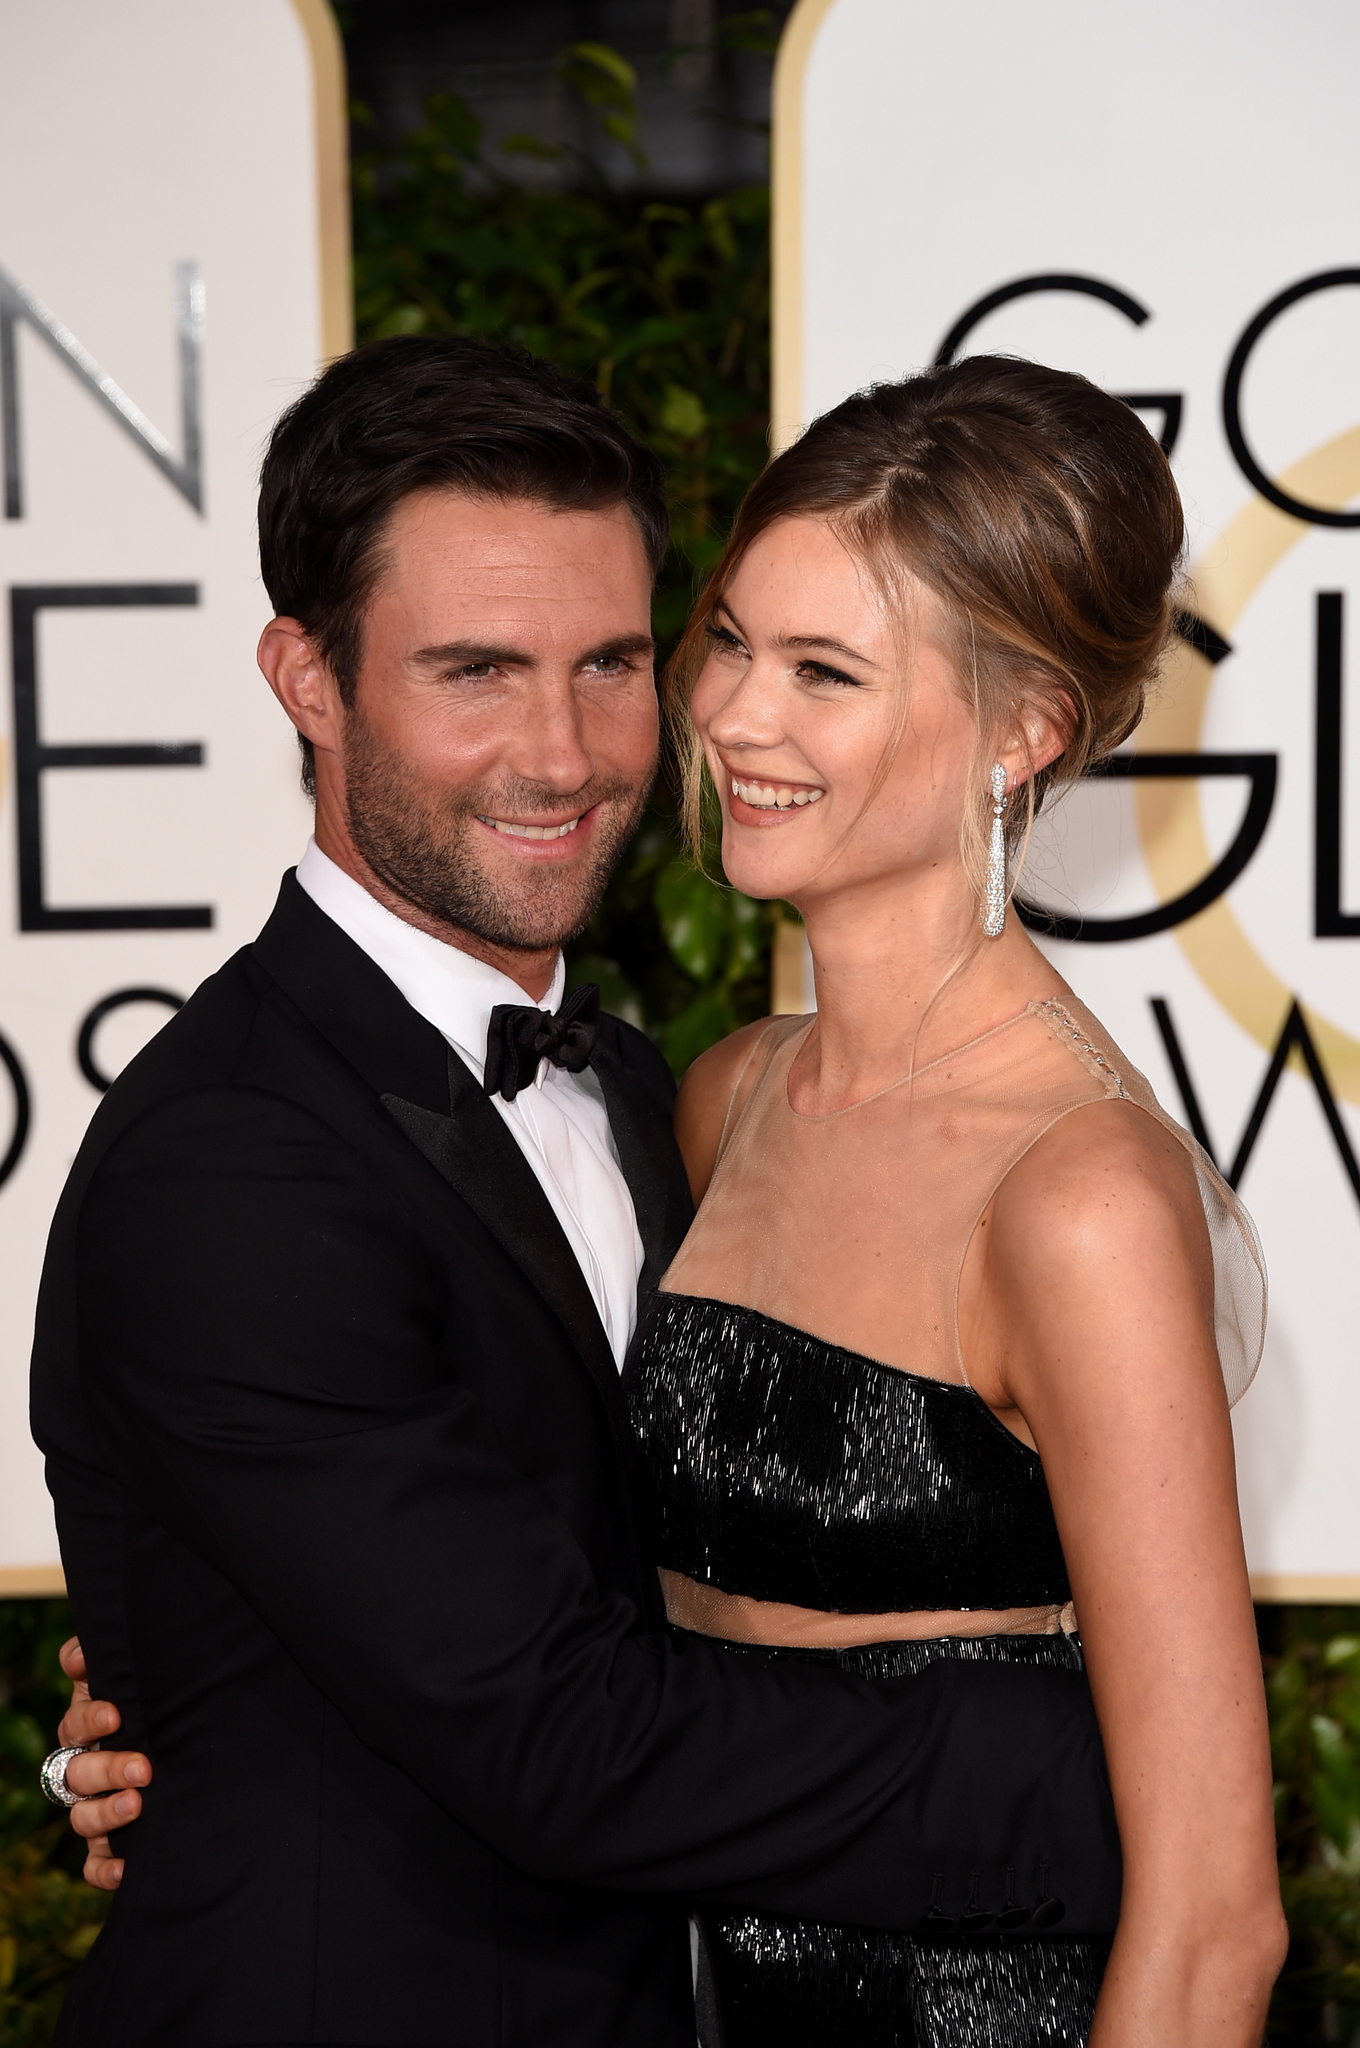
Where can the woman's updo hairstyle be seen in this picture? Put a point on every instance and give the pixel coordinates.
(1037, 507)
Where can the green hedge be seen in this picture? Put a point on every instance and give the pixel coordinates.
(48, 1916)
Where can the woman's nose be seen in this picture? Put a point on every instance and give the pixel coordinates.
(748, 715)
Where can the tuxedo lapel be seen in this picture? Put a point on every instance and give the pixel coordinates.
(641, 1125)
(439, 1106)
(475, 1153)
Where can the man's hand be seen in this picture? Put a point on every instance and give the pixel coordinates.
(106, 1772)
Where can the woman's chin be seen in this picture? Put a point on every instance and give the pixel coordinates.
(762, 876)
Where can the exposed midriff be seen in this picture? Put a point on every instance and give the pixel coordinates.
(735, 1618)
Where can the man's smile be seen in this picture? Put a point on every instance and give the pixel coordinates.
(537, 839)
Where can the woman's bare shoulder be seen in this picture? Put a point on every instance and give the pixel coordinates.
(706, 1094)
(1105, 1181)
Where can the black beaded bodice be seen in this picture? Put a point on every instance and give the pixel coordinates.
(788, 1469)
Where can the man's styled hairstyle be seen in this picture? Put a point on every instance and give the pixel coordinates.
(420, 413)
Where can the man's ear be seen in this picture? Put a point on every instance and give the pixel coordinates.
(302, 682)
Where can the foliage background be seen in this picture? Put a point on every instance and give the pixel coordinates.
(665, 307)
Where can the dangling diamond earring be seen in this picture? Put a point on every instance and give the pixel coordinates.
(994, 910)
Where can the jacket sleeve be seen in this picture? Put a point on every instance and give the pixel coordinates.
(264, 1350)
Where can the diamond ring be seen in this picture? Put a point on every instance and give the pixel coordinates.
(52, 1776)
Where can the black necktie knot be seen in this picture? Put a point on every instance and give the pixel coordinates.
(519, 1036)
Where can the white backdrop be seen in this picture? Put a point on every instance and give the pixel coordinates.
(171, 223)
(1146, 183)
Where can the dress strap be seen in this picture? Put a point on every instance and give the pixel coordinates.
(763, 1046)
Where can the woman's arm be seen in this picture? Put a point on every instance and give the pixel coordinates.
(1094, 1317)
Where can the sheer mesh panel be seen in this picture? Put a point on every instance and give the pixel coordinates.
(854, 1226)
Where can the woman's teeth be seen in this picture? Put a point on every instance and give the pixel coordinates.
(533, 831)
(770, 796)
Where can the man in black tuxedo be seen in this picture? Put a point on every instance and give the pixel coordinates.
(329, 1337)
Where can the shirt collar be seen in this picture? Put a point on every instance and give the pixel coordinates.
(449, 988)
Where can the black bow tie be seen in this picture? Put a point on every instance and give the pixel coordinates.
(519, 1036)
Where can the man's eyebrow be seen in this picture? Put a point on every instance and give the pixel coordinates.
(475, 653)
(823, 640)
(625, 643)
(468, 653)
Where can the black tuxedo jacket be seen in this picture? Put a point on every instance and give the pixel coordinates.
(356, 1541)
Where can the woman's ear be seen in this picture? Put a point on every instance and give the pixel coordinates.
(1042, 731)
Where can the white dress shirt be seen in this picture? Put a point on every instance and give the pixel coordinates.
(558, 1121)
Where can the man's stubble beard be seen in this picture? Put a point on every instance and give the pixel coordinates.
(424, 845)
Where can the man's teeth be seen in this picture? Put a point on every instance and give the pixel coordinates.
(770, 796)
(533, 831)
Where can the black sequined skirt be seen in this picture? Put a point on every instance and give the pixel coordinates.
(796, 1984)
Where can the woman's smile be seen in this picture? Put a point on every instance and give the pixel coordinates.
(757, 801)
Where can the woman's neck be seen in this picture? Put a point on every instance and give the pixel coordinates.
(904, 974)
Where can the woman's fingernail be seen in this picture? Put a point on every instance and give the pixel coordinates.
(104, 1718)
(126, 1804)
(136, 1772)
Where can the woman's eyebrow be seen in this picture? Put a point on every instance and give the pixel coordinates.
(826, 641)
(823, 640)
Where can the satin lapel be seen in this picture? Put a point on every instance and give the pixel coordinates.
(650, 1160)
(480, 1160)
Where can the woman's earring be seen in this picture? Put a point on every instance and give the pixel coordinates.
(994, 911)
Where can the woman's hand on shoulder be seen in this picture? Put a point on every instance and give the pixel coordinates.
(706, 1094)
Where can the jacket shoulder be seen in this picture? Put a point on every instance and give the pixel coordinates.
(640, 1058)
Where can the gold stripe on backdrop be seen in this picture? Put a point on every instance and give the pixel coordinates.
(32, 1581)
(786, 229)
(1305, 1589)
(1317, 1589)
(331, 115)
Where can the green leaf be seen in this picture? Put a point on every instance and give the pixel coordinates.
(683, 414)
(1330, 1739)
(694, 918)
(401, 320)
(533, 146)
(757, 30)
(749, 936)
(451, 120)
(600, 74)
(700, 1024)
(21, 1737)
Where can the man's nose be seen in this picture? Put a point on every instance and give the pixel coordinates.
(550, 744)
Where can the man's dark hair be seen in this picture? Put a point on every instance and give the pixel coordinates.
(419, 413)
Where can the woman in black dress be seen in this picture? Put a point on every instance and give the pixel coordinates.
(940, 1370)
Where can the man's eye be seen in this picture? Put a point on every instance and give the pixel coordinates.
(472, 672)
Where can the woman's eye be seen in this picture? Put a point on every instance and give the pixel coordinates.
(727, 642)
(819, 672)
